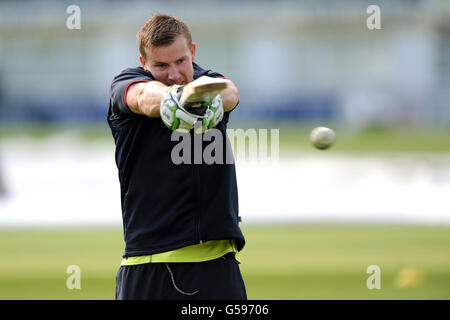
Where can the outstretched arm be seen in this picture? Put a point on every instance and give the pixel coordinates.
(230, 96)
(145, 97)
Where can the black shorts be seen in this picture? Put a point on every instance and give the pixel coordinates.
(218, 279)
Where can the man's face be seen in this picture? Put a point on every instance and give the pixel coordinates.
(171, 64)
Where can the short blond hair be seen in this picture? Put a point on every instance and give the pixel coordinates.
(161, 30)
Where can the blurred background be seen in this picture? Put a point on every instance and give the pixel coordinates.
(314, 220)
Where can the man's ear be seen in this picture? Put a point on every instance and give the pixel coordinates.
(142, 60)
(193, 50)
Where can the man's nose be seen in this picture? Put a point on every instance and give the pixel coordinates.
(174, 74)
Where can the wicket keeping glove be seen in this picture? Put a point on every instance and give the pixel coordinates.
(173, 115)
(214, 114)
(184, 118)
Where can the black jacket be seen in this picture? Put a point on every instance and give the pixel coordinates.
(167, 206)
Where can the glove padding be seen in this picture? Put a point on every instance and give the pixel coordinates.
(215, 112)
(173, 116)
(177, 118)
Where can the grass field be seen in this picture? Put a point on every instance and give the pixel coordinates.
(279, 262)
(293, 137)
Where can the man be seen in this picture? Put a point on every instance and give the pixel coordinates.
(180, 221)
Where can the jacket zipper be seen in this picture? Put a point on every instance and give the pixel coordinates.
(197, 171)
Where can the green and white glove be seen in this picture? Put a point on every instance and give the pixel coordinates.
(173, 115)
(212, 115)
(215, 112)
(184, 118)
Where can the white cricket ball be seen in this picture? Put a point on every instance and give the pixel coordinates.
(322, 137)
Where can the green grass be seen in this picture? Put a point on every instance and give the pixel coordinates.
(371, 140)
(293, 137)
(279, 262)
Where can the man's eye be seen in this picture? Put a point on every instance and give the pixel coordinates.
(180, 61)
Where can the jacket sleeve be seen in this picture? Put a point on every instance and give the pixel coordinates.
(119, 112)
